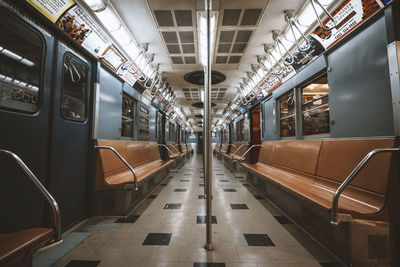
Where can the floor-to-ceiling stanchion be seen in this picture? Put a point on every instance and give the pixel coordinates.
(207, 132)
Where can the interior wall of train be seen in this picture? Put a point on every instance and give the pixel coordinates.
(83, 124)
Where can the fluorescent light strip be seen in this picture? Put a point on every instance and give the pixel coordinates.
(202, 34)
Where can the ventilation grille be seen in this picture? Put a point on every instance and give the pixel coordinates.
(178, 34)
(218, 93)
(191, 94)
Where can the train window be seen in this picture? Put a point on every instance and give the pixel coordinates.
(287, 115)
(74, 89)
(171, 132)
(315, 107)
(21, 53)
(128, 115)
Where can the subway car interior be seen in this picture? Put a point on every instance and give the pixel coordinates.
(199, 133)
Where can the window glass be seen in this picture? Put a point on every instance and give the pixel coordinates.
(315, 107)
(21, 52)
(287, 116)
(74, 89)
(172, 132)
(128, 115)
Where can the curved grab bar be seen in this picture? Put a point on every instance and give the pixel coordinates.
(350, 177)
(326, 13)
(166, 148)
(135, 181)
(267, 49)
(292, 24)
(45, 194)
(152, 77)
(279, 43)
(248, 150)
(237, 150)
(174, 148)
(267, 70)
(146, 66)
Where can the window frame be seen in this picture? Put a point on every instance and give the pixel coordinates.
(134, 115)
(37, 31)
(302, 105)
(286, 95)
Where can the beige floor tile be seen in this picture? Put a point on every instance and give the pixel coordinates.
(285, 254)
(252, 254)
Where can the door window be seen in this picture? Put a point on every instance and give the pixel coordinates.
(21, 54)
(74, 89)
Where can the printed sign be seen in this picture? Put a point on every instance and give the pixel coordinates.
(348, 15)
(303, 58)
(51, 9)
(77, 24)
(156, 102)
(259, 94)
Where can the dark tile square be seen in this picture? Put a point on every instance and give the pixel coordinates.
(239, 207)
(283, 219)
(258, 240)
(201, 184)
(246, 185)
(171, 206)
(219, 174)
(174, 171)
(79, 263)
(229, 190)
(129, 219)
(184, 180)
(202, 196)
(152, 197)
(187, 174)
(259, 197)
(202, 220)
(224, 181)
(209, 264)
(164, 184)
(180, 190)
(239, 177)
(201, 177)
(170, 177)
(157, 239)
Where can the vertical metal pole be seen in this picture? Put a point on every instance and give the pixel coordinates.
(207, 133)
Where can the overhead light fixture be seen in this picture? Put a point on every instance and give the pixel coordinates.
(96, 5)
(202, 34)
(109, 19)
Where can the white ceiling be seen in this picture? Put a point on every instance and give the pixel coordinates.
(139, 18)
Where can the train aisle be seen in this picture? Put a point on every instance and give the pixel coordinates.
(168, 229)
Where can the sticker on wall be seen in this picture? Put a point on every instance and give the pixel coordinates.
(51, 9)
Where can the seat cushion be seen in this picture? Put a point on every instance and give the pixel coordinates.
(17, 244)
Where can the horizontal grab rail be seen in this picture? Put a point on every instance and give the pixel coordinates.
(45, 194)
(135, 181)
(237, 150)
(347, 181)
(248, 150)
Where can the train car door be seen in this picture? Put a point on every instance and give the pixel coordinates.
(70, 135)
(25, 85)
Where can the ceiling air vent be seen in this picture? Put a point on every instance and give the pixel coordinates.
(197, 77)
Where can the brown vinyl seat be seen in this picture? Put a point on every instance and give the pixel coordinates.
(112, 173)
(15, 247)
(314, 169)
(237, 150)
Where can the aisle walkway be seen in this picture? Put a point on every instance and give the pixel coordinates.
(168, 228)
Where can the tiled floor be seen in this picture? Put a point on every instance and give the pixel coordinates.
(168, 229)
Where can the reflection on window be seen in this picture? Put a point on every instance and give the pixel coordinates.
(74, 89)
(171, 134)
(128, 115)
(21, 52)
(315, 107)
(287, 116)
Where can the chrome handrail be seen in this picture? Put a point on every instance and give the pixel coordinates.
(174, 148)
(165, 147)
(347, 181)
(237, 150)
(326, 13)
(248, 150)
(135, 181)
(45, 194)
